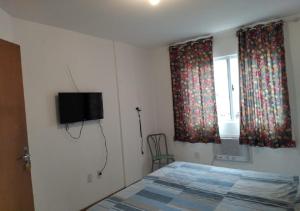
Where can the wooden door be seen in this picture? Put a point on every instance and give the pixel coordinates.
(15, 176)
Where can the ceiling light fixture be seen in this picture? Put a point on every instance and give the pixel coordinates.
(154, 2)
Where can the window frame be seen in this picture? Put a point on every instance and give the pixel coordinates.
(231, 87)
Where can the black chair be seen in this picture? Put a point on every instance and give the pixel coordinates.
(159, 149)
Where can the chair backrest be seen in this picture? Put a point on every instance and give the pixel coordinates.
(157, 144)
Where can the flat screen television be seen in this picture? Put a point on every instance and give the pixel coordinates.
(78, 107)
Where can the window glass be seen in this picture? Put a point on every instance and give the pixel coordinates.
(221, 89)
(226, 73)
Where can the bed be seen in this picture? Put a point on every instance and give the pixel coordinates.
(188, 186)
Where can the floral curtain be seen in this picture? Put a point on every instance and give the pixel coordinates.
(264, 99)
(194, 103)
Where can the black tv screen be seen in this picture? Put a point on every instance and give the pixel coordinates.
(77, 107)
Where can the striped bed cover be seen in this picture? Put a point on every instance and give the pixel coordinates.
(187, 186)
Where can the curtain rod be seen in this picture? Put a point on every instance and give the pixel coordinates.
(284, 19)
(190, 40)
(251, 25)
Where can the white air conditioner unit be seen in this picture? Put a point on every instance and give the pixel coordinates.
(231, 150)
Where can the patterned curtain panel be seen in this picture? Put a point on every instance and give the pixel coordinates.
(195, 113)
(265, 110)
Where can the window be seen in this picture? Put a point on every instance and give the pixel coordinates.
(226, 73)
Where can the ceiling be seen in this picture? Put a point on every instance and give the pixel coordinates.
(138, 23)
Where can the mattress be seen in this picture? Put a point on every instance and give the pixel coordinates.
(188, 186)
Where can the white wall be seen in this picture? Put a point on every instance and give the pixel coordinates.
(284, 161)
(60, 165)
(136, 89)
(225, 43)
(6, 29)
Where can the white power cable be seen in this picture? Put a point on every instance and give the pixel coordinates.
(72, 79)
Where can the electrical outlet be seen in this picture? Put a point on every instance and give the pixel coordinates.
(90, 178)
